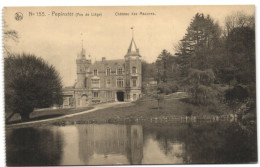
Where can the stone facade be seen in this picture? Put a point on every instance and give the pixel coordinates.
(106, 80)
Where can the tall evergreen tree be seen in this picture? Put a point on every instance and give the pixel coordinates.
(198, 44)
(163, 66)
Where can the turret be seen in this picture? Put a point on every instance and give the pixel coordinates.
(82, 66)
(133, 60)
(133, 68)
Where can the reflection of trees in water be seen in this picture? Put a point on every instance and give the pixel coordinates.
(191, 143)
(207, 142)
(29, 146)
(111, 139)
(221, 143)
(168, 137)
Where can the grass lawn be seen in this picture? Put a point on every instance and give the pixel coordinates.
(48, 113)
(145, 108)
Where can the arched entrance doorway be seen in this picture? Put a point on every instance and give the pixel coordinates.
(120, 96)
(84, 100)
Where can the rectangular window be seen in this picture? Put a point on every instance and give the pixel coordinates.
(119, 71)
(120, 82)
(134, 82)
(95, 83)
(95, 94)
(95, 72)
(108, 81)
(108, 71)
(134, 70)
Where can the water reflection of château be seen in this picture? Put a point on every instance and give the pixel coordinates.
(110, 140)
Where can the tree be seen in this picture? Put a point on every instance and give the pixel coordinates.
(239, 49)
(200, 86)
(165, 66)
(29, 83)
(9, 35)
(199, 44)
(238, 19)
(148, 70)
(241, 42)
(159, 98)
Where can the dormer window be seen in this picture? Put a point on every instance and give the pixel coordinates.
(134, 70)
(119, 71)
(108, 71)
(95, 72)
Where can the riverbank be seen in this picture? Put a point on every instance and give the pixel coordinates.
(47, 114)
(79, 111)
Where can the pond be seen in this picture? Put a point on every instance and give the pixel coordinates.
(150, 143)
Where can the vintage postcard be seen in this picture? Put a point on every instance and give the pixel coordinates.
(129, 85)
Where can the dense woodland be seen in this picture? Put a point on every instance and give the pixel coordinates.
(213, 64)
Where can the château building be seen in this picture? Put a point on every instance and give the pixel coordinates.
(106, 80)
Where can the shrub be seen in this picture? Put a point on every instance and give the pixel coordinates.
(167, 88)
(238, 93)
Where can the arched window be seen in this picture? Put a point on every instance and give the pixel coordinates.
(119, 71)
(134, 70)
(108, 71)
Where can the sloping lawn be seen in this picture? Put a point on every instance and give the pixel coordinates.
(146, 108)
(48, 113)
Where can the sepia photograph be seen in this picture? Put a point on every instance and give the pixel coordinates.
(129, 85)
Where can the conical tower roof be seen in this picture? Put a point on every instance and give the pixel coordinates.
(133, 50)
(132, 47)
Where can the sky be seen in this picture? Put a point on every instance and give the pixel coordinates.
(104, 32)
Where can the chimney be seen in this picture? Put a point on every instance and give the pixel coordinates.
(103, 59)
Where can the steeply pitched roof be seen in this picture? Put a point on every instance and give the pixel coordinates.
(133, 50)
(132, 47)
